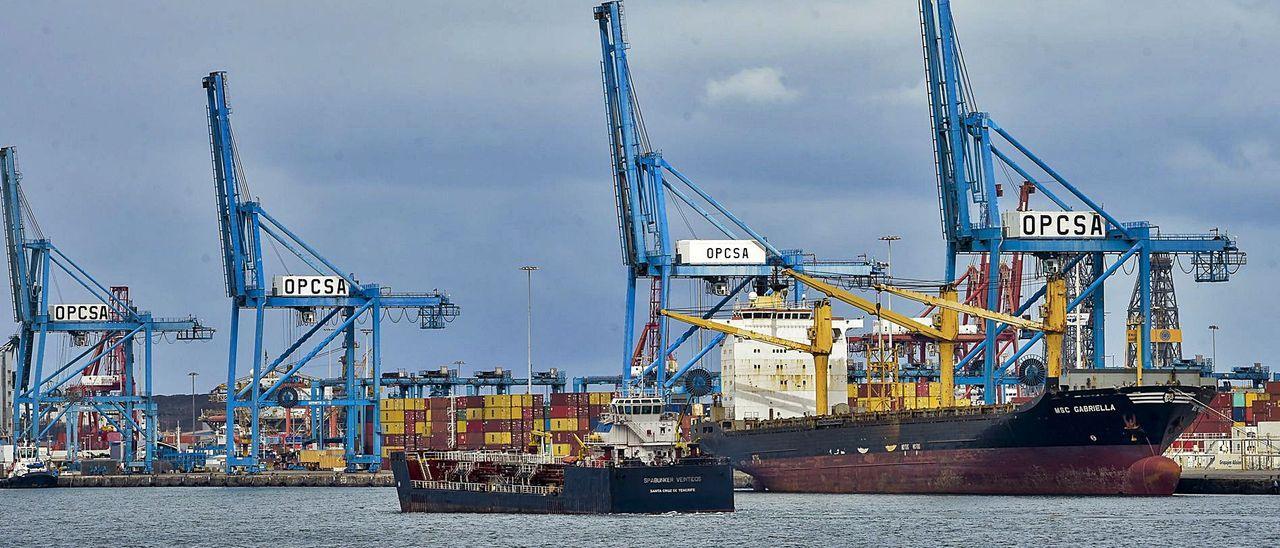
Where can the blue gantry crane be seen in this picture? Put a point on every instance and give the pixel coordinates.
(46, 395)
(970, 152)
(329, 297)
(644, 183)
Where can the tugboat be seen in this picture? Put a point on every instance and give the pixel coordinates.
(633, 462)
(29, 472)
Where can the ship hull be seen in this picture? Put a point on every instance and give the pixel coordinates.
(687, 488)
(1093, 442)
(34, 480)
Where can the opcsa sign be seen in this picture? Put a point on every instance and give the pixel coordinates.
(1055, 224)
(702, 252)
(311, 286)
(79, 312)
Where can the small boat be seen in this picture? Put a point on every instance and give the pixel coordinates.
(29, 472)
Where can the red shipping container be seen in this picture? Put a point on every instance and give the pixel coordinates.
(1273, 387)
(922, 389)
(563, 412)
(1221, 401)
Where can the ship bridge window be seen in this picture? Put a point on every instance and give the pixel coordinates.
(626, 409)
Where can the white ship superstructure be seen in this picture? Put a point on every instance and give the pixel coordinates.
(763, 381)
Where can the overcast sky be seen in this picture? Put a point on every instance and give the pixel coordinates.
(434, 145)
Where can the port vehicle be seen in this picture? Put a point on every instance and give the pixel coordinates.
(633, 462)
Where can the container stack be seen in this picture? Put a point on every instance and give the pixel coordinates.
(873, 397)
(497, 422)
(1266, 407)
(322, 459)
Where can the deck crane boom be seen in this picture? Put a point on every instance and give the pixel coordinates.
(944, 332)
(969, 146)
(644, 183)
(328, 297)
(42, 399)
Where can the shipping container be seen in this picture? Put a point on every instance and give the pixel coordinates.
(564, 425)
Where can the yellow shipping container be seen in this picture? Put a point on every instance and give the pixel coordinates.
(561, 449)
(564, 425)
(497, 438)
(935, 389)
(426, 414)
(874, 404)
(417, 404)
(499, 413)
(387, 450)
(462, 427)
(497, 400)
(394, 415)
(422, 428)
(393, 428)
(475, 413)
(600, 398)
(310, 455)
(330, 462)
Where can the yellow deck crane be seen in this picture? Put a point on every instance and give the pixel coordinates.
(821, 338)
(944, 330)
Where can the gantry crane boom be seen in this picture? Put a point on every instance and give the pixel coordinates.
(342, 303)
(644, 181)
(971, 149)
(40, 397)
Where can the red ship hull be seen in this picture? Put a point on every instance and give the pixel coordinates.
(1082, 442)
(1005, 471)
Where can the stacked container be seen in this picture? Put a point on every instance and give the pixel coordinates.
(873, 397)
(493, 422)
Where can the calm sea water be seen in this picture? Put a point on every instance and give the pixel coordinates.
(282, 517)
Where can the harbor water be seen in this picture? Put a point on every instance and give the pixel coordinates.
(357, 517)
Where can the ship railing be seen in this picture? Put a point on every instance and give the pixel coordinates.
(827, 421)
(486, 487)
(499, 457)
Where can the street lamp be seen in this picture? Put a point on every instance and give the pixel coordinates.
(888, 300)
(193, 376)
(528, 270)
(1213, 341)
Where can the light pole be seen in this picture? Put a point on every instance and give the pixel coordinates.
(528, 270)
(1213, 342)
(888, 300)
(193, 376)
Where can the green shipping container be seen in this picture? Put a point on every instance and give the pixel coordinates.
(1237, 399)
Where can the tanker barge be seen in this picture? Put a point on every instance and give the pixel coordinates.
(634, 462)
(1063, 442)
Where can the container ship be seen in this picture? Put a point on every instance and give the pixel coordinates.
(1063, 442)
(634, 462)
